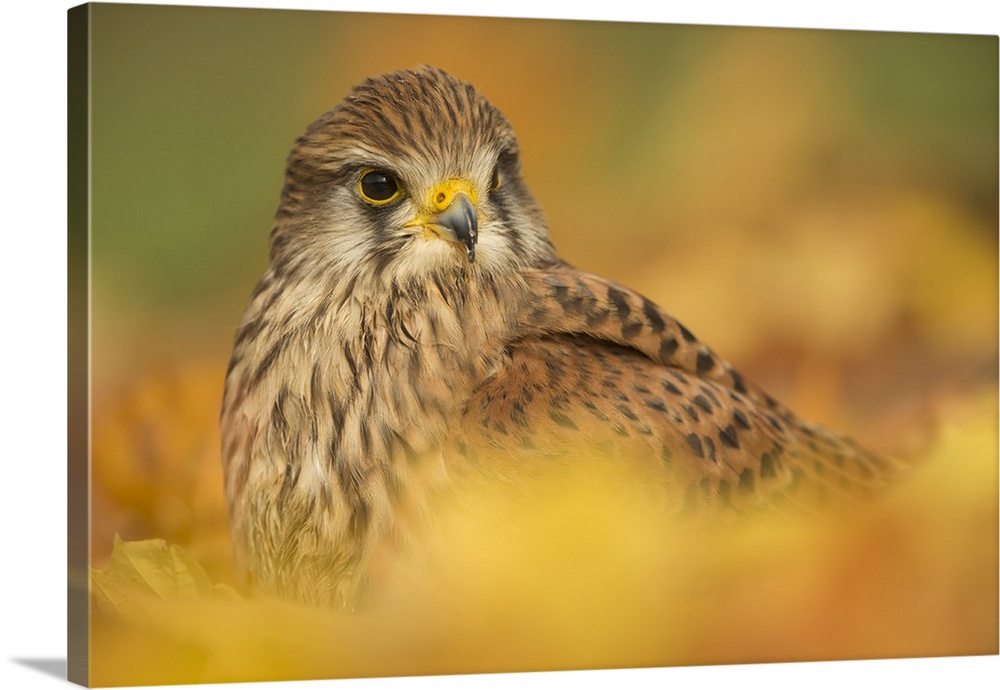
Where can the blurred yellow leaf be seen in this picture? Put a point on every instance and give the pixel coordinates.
(150, 568)
(583, 571)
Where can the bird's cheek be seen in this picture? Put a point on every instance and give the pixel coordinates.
(494, 247)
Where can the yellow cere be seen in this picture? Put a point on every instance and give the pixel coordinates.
(443, 194)
(439, 199)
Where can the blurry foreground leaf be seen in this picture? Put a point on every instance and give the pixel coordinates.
(583, 571)
(150, 568)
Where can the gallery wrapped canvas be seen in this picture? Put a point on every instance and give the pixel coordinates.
(421, 345)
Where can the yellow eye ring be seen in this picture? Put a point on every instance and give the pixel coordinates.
(379, 187)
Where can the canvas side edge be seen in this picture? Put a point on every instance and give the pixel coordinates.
(78, 345)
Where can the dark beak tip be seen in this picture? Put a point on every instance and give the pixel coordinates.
(471, 240)
(461, 218)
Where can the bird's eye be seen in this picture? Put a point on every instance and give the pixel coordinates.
(379, 187)
(504, 169)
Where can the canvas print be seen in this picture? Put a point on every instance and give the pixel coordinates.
(412, 345)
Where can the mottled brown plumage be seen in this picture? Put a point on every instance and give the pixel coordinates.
(416, 322)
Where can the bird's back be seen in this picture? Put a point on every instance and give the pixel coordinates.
(606, 371)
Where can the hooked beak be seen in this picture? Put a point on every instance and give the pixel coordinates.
(452, 215)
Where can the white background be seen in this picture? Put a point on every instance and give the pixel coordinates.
(33, 336)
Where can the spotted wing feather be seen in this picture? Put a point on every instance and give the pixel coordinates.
(596, 366)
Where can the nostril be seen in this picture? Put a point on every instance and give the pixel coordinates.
(440, 197)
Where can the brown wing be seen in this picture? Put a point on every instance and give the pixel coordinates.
(597, 367)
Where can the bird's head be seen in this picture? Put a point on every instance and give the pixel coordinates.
(413, 173)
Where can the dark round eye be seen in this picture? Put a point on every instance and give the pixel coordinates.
(379, 187)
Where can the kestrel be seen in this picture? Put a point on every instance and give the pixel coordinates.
(416, 320)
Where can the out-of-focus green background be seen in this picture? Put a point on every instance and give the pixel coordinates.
(820, 206)
(813, 185)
